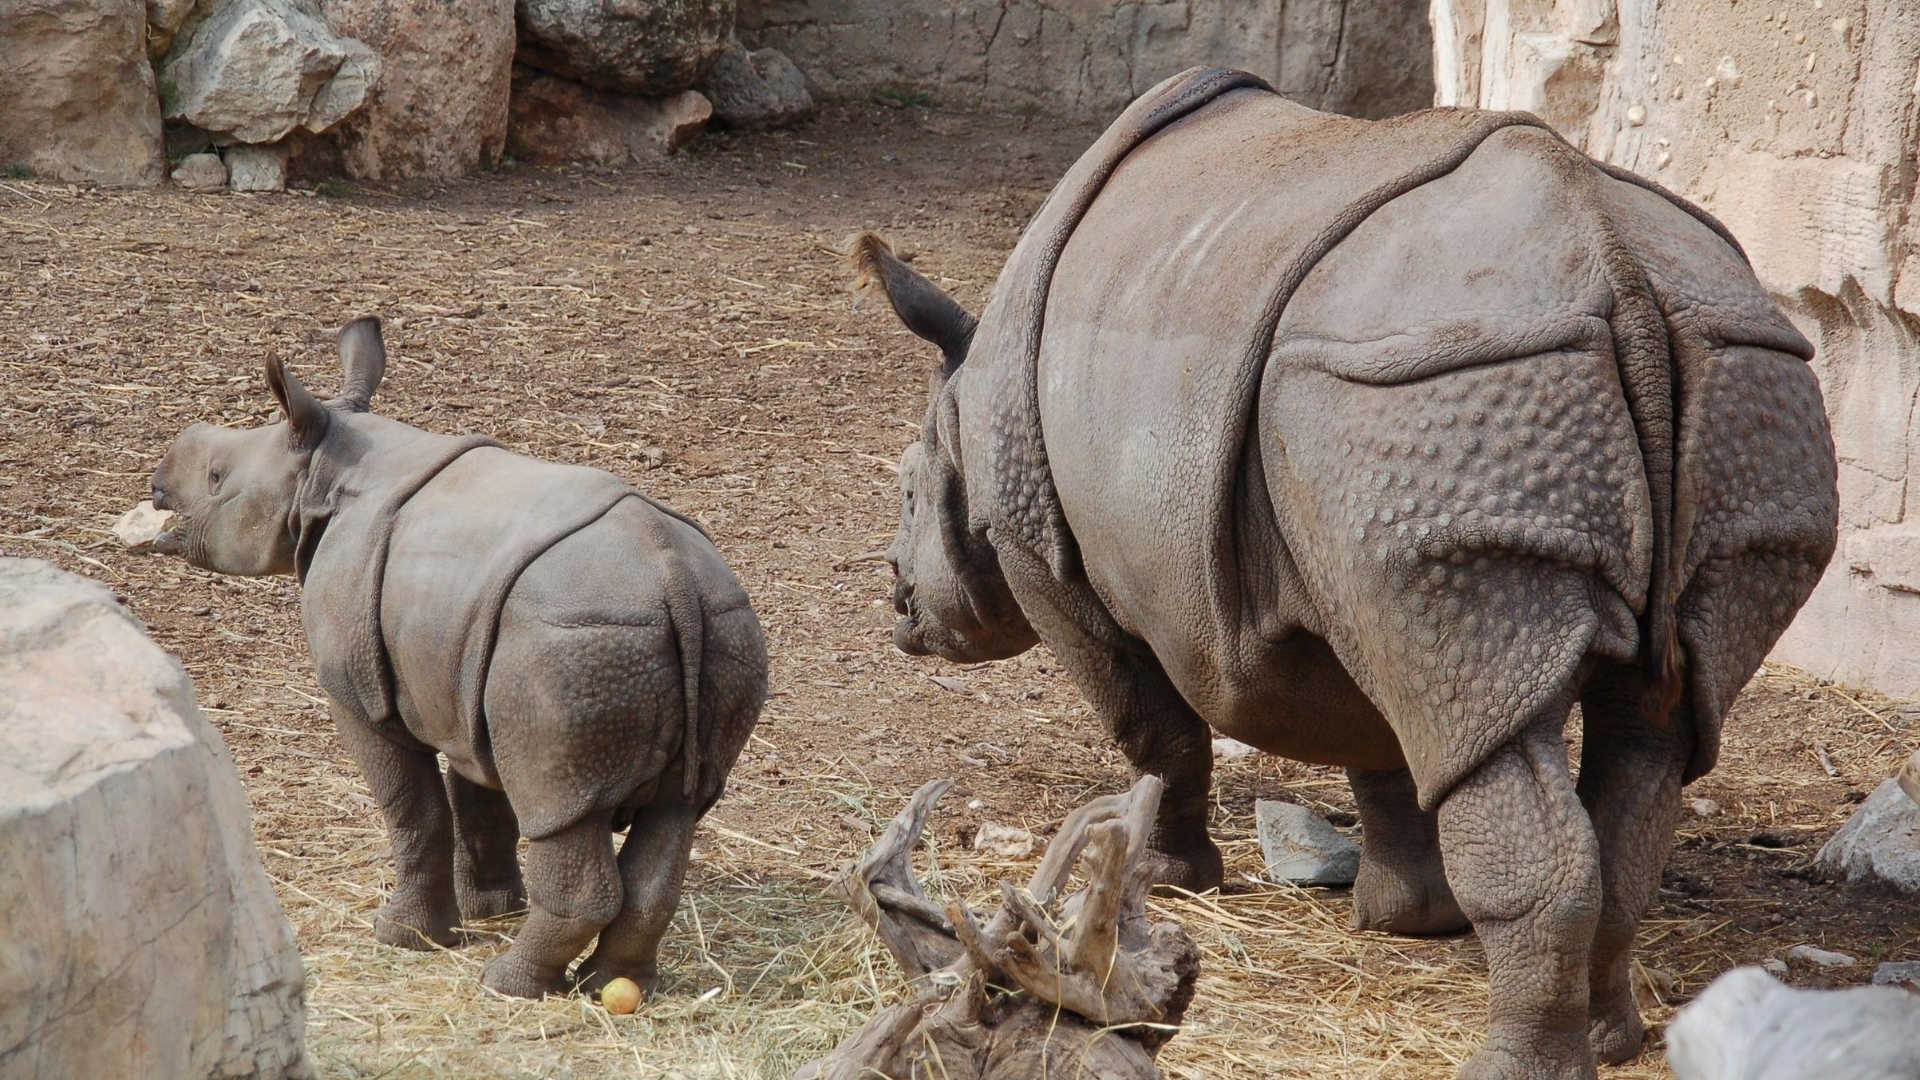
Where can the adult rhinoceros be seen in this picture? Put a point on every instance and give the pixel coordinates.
(1382, 445)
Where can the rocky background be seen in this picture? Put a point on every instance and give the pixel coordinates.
(236, 93)
(1085, 59)
(1797, 124)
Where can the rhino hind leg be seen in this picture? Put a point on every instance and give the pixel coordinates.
(405, 782)
(1523, 860)
(1630, 772)
(653, 863)
(486, 865)
(573, 891)
(1402, 887)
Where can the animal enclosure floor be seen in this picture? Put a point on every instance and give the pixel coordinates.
(688, 327)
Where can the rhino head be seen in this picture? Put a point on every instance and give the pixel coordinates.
(236, 491)
(948, 588)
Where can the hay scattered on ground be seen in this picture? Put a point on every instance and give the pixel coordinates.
(687, 328)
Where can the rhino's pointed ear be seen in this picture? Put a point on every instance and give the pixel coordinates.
(307, 419)
(364, 357)
(924, 307)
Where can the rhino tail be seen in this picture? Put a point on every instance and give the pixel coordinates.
(687, 616)
(1643, 351)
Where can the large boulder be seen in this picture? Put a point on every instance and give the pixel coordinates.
(1795, 125)
(756, 89)
(1746, 1025)
(255, 70)
(650, 47)
(440, 108)
(142, 937)
(77, 98)
(558, 120)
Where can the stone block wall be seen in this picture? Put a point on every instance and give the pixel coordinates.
(1085, 59)
(1797, 124)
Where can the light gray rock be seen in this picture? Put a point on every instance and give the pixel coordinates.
(257, 69)
(1230, 749)
(257, 168)
(77, 98)
(1905, 973)
(1880, 841)
(1006, 841)
(1807, 954)
(756, 89)
(142, 937)
(138, 526)
(201, 172)
(653, 49)
(1747, 1026)
(1301, 847)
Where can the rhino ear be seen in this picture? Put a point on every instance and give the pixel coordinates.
(306, 418)
(364, 357)
(924, 307)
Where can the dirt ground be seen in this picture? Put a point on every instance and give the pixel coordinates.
(687, 326)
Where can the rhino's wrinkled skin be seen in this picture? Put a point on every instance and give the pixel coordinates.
(1382, 445)
(581, 656)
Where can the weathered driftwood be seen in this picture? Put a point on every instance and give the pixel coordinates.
(1081, 987)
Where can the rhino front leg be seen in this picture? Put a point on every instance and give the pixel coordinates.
(653, 863)
(406, 783)
(1630, 769)
(1402, 887)
(486, 866)
(1153, 725)
(1523, 861)
(573, 890)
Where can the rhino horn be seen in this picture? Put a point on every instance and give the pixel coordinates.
(363, 355)
(306, 417)
(924, 307)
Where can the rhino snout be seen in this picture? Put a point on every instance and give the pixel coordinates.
(160, 498)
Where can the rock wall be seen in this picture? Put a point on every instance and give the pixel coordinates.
(1797, 124)
(77, 96)
(1087, 58)
(141, 938)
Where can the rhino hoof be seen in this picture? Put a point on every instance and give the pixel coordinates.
(510, 975)
(408, 932)
(481, 904)
(1192, 868)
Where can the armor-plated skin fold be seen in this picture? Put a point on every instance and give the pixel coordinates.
(1382, 445)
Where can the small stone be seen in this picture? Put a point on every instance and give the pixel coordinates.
(1006, 841)
(1727, 72)
(138, 526)
(1301, 847)
(1909, 778)
(976, 804)
(1904, 973)
(1807, 954)
(257, 168)
(1636, 115)
(1662, 159)
(1881, 840)
(1230, 749)
(1704, 807)
(1775, 967)
(201, 172)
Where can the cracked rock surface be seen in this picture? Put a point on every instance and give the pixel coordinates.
(142, 937)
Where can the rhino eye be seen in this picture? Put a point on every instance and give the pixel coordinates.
(214, 476)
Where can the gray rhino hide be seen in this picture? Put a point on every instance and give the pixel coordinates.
(1166, 468)
(401, 595)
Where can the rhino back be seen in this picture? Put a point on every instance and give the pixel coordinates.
(457, 547)
(587, 707)
(1159, 328)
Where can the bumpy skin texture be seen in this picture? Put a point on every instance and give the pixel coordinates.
(1381, 445)
(580, 655)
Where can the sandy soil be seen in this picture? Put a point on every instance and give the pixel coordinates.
(688, 327)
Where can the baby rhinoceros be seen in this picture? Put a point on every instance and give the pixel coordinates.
(580, 654)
